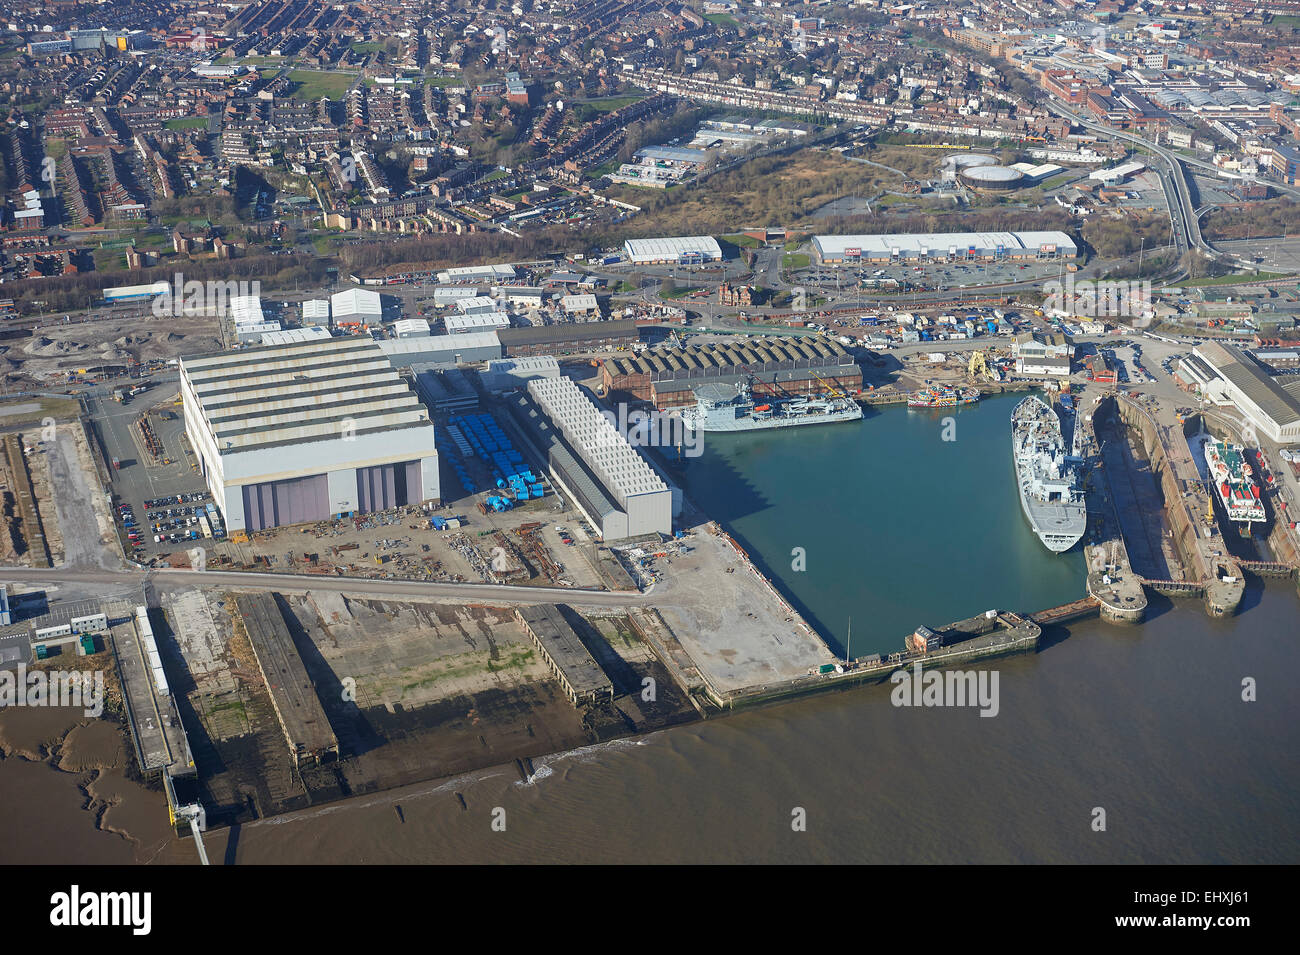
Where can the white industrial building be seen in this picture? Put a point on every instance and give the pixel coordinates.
(247, 333)
(644, 501)
(476, 305)
(684, 250)
(448, 296)
(942, 246)
(411, 328)
(316, 311)
(357, 307)
(292, 336)
(583, 305)
(467, 274)
(478, 322)
(306, 432)
(246, 310)
(1042, 353)
(462, 349)
(1227, 375)
(520, 296)
(1117, 173)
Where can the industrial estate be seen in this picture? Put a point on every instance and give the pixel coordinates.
(356, 358)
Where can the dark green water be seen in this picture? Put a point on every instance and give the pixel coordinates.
(899, 527)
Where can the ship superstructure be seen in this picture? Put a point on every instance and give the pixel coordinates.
(720, 407)
(941, 396)
(1233, 481)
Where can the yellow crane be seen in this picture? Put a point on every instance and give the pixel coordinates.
(831, 389)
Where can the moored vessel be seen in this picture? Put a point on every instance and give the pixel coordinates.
(1049, 480)
(725, 407)
(941, 396)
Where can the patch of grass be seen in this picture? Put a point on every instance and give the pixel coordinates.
(444, 81)
(57, 408)
(471, 663)
(313, 84)
(679, 292)
(795, 260)
(361, 46)
(188, 122)
(109, 260)
(1236, 278)
(722, 19)
(741, 241)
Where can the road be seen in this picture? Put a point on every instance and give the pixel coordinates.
(180, 580)
(1183, 218)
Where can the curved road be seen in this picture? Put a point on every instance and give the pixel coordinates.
(1187, 225)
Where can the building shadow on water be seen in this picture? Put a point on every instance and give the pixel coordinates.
(720, 490)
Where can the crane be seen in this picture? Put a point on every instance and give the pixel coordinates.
(831, 389)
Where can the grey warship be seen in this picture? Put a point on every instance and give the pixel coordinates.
(1050, 481)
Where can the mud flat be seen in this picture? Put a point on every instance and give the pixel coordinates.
(77, 771)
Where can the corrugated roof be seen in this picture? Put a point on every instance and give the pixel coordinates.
(1254, 382)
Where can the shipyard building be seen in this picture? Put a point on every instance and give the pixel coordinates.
(617, 490)
(568, 338)
(1227, 375)
(668, 377)
(942, 247)
(306, 431)
(1042, 353)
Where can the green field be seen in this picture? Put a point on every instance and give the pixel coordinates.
(722, 19)
(59, 408)
(189, 122)
(741, 241)
(313, 84)
(795, 260)
(588, 111)
(1237, 278)
(679, 292)
(443, 81)
(365, 47)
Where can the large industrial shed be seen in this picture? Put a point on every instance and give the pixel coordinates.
(942, 246)
(687, 250)
(617, 490)
(306, 432)
(461, 349)
(668, 376)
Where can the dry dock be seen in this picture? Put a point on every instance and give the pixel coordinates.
(302, 718)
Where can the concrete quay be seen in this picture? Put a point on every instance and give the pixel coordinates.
(1207, 567)
(1111, 580)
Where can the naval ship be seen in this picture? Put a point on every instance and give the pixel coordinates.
(1050, 480)
(720, 407)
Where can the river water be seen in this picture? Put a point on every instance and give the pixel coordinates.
(898, 528)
